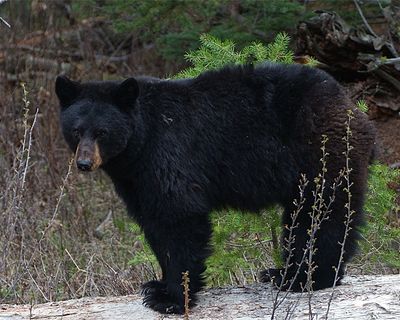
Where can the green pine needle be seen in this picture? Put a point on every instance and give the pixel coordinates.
(215, 53)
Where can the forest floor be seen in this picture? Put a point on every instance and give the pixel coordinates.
(384, 111)
(389, 137)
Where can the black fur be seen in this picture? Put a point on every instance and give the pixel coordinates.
(237, 137)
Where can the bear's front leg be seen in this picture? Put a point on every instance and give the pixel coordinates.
(180, 245)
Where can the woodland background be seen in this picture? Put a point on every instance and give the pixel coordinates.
(66, 235)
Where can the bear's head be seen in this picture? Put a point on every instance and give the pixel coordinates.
(97, 118)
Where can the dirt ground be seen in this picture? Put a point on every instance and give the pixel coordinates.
(383, 103)
(389, 139)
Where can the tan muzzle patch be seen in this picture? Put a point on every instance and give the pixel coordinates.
(87, 155)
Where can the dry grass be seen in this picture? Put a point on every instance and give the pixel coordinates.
(63, 234)
(48, 247)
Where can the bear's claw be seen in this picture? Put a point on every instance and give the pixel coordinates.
(156, 297)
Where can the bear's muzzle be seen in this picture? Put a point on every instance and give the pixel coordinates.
(87, 155)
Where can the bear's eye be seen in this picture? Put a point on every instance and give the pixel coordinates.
(101, 133)
(76, 133)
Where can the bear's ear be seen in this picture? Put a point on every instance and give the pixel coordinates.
(126, 93)
(67, 90)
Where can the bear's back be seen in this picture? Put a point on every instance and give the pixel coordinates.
(268, 92)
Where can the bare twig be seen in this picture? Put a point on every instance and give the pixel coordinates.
(28, 151)
(73, 261)
(377, 62)
(390, 61)
(320, 212)
(364, 19)
(289, 242)
(389, 45)
(5, 22)
(185, 283)
(61, 195)
(348, 184)
(386, 76)
(99, 232)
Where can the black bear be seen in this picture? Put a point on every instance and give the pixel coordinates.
(239, 137)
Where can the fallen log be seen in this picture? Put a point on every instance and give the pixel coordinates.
(361, 297)
(344, 49)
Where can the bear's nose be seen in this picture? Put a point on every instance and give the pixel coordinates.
(84, 165)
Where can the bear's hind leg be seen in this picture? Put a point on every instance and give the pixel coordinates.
(321, 245)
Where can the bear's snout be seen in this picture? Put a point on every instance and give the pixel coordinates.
(87, 156)
(84, 165)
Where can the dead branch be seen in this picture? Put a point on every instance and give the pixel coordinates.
(341, 48)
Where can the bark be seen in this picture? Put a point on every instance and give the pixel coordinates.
(362, 297)
(344, 49)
